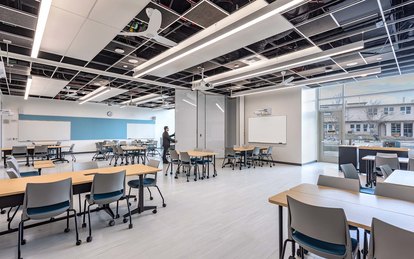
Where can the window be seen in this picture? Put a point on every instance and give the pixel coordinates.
(365, 127)
(372, 111)
(395, 129)
(388, 110)
(405, 109)
(358, 127)
(408, 130)
(353, 127)
(372, 126)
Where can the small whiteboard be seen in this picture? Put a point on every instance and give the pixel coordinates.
(139, 131)
(44, 130)
(271, 129)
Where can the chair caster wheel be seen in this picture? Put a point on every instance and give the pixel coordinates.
(208, 177)
(151, 198)
(214, 176)
(89, 239)
(23, 241)
(125, 220)
(67, 230)
(154, 211)
(291, 257)
(117, 216)
(111, 223)
(188, 181)
(3, 212)
(164, 205)
(79, 242)
(135, 199)
(83, 225)
(130, 226)
(166, 174)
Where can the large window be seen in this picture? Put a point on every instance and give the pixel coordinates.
(373, 111)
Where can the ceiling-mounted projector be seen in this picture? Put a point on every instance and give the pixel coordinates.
(2, 70)
(201, 85)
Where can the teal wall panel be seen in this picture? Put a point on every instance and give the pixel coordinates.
(82, 128)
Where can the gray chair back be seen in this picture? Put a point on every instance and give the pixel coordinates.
(350, 171)
(386, 170)
(85, 166)
(410, 165)
(389, 241)
(256, 151)
(229, 151)
(156, 164)
(185, 157)
(12, 163)
(71, 148)
(119, 150)
(39, 195)
(174, 155)
(107, 188)
(12, 173)
(58, 143)
(395, 191)
(269, 150)
(325, 224)
(387, 159)
(40, 150)
(123, 143)
(19, 150)
(339, 183)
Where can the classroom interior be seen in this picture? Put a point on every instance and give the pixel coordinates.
(206, 129)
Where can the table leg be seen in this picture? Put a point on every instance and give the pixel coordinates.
(368, 179)
(40, 171)
(214, 166)
(280, 231)
(141, 207)
(4, 159)
(145, 157)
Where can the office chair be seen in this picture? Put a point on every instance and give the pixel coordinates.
(267, 156)
(45, 201)
(350, 172)
(11, 162)
(254, 156)
(84, 165)
(106, 189)
(148, 182)
(174, 160)
(40, 152)
(70, 153)
(20, 151)
(186, 163)
(389, 241)
(231, 157)
(321, 231)
(395, 191)
(385, 171)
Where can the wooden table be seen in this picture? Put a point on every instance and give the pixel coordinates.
(359, 208)
(12, 190)
(369, 163)
(202, 155)
(39, 165)
(244, 150)
(30, 150)
(129, 149)
(401, 177)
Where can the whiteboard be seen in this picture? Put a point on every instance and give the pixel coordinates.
(138, 131)
(43, 130)
(270, 129)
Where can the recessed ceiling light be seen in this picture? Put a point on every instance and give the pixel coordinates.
(119, 51)
(352, 64)
(132, 61)
(125, 66)
(379, 58)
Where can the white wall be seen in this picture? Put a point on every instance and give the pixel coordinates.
(283, 102)
(185, 119)
(299, 107)
(309, 126)
(35, 106)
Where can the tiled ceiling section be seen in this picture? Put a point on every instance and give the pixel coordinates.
(82, 46)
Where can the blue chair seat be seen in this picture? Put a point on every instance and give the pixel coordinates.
(29, 173)
(46, 209)
(367, 190)
(322, 246)
(135, 183)
(102, 196)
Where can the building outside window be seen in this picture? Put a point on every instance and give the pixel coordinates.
(372, 111)
(358, 127)
(352, 127)
(388, 110)
(408, 130)
(405, 109)
(395, 129)
(365, 127)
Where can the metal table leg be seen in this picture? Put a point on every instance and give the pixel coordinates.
(280, 230)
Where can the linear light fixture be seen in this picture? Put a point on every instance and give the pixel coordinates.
(284, 7)
(28, 85)
(218, 106)
(40, 27)
(150, 100)
(318, 80)
(299, 61)
(190, 103)
(141, 98)
(94, 94)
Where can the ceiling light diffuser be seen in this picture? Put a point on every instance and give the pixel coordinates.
(28, 85)
(94, 94)
(40, 27)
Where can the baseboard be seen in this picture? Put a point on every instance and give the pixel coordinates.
(290, 163)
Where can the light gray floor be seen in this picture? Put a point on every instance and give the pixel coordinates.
(223, 217)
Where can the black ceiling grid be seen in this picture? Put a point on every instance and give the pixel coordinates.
(324, 23)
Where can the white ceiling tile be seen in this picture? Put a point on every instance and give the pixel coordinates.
(79, 7)
(113, 92)
(62, 26)
(125, 10)
(46, 87)
(91, 39)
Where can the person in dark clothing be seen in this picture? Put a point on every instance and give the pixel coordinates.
(166, 143)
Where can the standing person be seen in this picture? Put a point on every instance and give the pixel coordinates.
(166, 142)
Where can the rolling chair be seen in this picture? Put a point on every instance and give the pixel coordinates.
(148, 182)
(174, 160)
(106, 189)
(389, 241)
(254, 156)
(41, 152)
(12, 163)
(20, 151)
(186, 163)
(84, 165)
(231, 157)
(350, 172)
(69, 153)
(267, 156)
(321, 231)
(385, 171)
(45, 201)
